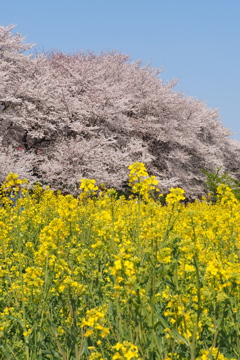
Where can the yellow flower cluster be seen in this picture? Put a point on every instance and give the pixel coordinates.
(140, 182)
(226, 196)
(13, 182)
(175, 196)
(88, 188)
(106, 277)
(95, 320)
(125, 351)
(212, 354)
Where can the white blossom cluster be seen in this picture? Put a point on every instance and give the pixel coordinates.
(64, 117)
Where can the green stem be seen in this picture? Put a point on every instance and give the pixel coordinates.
(193, 345)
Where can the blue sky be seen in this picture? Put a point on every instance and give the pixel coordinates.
(197, 42)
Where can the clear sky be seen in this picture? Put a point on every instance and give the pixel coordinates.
(197, 42)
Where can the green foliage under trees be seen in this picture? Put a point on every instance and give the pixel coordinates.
(217, 177)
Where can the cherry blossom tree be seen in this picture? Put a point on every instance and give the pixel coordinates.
(68, 116)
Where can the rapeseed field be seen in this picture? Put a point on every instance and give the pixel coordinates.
(104, 277)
